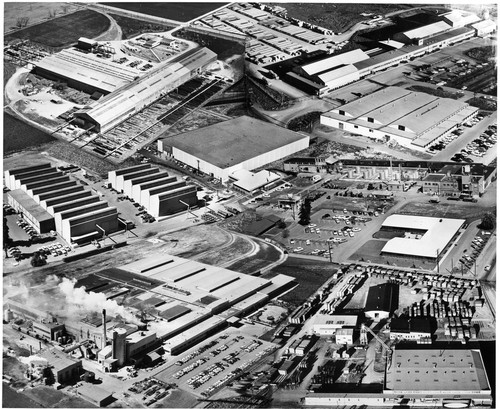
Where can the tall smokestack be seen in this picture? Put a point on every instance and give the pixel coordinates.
(104, 338)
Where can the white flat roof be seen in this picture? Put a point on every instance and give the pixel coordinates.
(415, 370)
(337, 73)
(428, 30)
(250, 181)
(336, 321)
(438, 233)
(484, 24)
(349, 57)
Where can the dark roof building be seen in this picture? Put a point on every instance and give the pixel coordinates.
(381, 301)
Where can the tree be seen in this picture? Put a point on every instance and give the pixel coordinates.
(305, 212)
(38, 260)
(488, 221)
(285, 234)
(7, 241)
(281, 224)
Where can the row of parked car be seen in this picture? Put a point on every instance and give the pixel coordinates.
(477, 246)
(30, 230)
(56, 249)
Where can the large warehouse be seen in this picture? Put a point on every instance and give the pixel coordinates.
(114, 108)
(424, 237)
(159, 193)
(85, 71)
(241, 143)
(447, 377)
(413, 119)
(50, 200)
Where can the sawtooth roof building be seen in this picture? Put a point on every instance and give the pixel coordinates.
(425, 237)
(413, 119)
(134, 96)
(159, 193)
(50, 200)
(221, 149)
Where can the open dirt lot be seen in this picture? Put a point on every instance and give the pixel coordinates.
(309, 274)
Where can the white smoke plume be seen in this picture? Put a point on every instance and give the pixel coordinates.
(79, 301)
(33, 359)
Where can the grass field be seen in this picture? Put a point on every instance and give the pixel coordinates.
(64, 31)
(309, 274)
(132, 27)
(450, 209)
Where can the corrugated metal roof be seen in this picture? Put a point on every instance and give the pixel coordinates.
(117, 105)
(337, 73)
(428, 30)
(349, 57)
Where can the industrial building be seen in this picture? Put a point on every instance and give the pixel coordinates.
(418, 35)
(107, 112)
(381, 301)
(330, 73)
(241, 143)
(413, 329)
(412, 119)
(436, 178)
(402, 47)
(160, 194)
(484, 28)
(328, 325)
(65, 370)
(50, 200)
(445, 377)
(457, 375)
(456, 180)
(422, 237)
(85, 71)
(249, 182)
(168, 302)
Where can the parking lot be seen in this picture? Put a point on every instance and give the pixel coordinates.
(215, 362)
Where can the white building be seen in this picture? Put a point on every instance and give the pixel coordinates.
(425, 237)
(221, 149)
(413, 119)
(484, 27)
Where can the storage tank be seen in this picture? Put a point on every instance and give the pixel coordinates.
(8, 315)
(119, 345)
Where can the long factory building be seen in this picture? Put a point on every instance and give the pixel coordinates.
(412, 119)
(50, 200)
(323, 76)
(450, 377)
(158, 192)
(127, 100)
(221, 149)
(180, 302)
